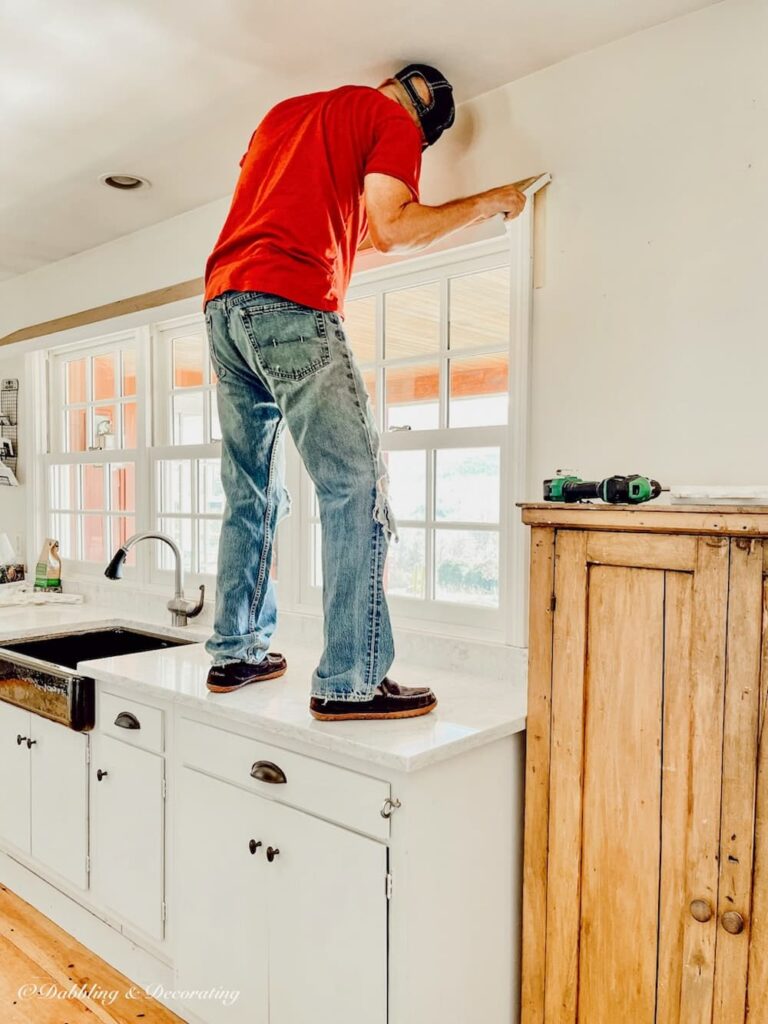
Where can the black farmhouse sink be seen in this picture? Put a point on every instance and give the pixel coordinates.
(41, 674)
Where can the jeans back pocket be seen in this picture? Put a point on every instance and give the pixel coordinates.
(290, 340)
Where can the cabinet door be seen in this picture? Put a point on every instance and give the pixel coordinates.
(59, 799)
(755, 935)
(127, 833)
(221, 913)
(635, 759)
(14, 776)
(327, 923)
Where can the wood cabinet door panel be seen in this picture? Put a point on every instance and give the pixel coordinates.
(737, 831)
(637, 693)
(565, 777)
(621, 795)
(757, 982)
(676, 759)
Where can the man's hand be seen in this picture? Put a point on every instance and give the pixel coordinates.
(508, 199)
(397, 223)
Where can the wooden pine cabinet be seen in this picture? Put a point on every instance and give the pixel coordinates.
(646, 834)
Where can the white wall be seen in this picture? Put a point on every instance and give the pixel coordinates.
(13, 500)
(650, 347)
(649, 340)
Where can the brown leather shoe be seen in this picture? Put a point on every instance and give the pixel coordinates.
(390, 700)
(237, 674)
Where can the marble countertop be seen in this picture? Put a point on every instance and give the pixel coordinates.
(471, 712)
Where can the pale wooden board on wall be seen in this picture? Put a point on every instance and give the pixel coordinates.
(97, 314)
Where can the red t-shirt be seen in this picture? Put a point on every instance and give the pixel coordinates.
(297, 216)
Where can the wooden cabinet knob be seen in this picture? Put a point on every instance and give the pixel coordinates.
(732, 922)
(701, 911)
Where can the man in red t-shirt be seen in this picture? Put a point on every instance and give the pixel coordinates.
(323, 176)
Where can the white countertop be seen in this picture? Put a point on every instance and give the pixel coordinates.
(471, 710)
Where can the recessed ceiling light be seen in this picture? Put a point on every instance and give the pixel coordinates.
(125, 182)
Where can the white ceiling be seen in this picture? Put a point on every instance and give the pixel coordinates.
(171, 90)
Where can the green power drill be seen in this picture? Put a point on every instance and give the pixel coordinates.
(616, 490)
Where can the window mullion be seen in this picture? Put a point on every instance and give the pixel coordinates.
(429, 528)
(379, 371)
(443, 365)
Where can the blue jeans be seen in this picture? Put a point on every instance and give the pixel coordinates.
(278, 364)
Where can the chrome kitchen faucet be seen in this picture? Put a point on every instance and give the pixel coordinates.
(181, 610)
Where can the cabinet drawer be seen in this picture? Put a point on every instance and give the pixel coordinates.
(323, 789)
(128, 720)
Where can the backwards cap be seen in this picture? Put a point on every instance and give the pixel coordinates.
(438, 114)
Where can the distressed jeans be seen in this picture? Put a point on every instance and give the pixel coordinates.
(281, 364)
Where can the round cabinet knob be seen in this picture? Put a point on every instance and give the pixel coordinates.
(20, 739)
(101, 775)
(271, 853)
(701, 911)
(30, 743)
(732, 922)
(253, 846)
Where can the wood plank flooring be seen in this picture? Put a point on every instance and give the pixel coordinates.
(35, 953)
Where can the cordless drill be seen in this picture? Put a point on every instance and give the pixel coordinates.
(616, 490)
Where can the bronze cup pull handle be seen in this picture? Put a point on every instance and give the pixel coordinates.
(126, 720)
(268, 771)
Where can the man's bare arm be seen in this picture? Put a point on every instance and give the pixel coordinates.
(397, 223)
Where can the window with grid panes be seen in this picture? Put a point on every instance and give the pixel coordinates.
(135, 441)
(91, 471)
(435, 356)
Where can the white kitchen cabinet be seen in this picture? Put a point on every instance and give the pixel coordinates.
(14, 776)
(383, 900)
(44, 792)
(222, 907)
(393, 899)
(59, 799)
(300, 924)
(327, 921)
(127, 833)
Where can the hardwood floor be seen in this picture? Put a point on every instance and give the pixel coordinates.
(38, 955)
